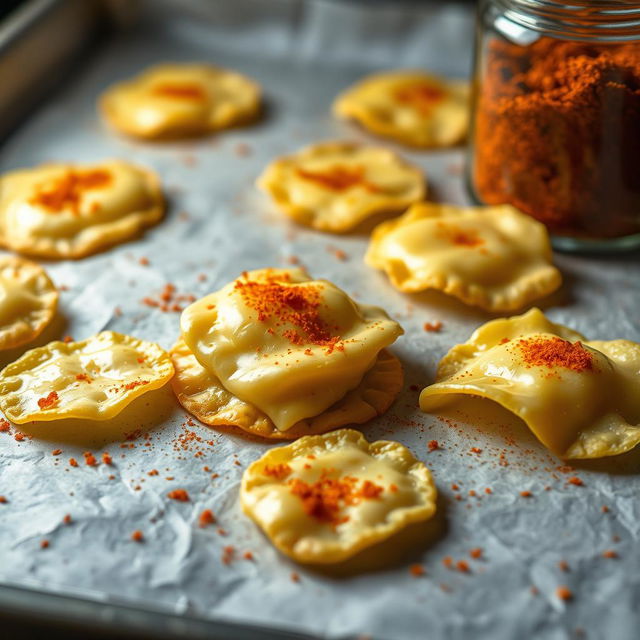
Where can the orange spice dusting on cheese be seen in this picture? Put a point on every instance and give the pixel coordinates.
(339, 178)
(49, 402)
(180, 91)
(555, 352)
(420, 95)
(324, 498)
(277, 471)
(67, 190)
(292, 306)
(83, 377)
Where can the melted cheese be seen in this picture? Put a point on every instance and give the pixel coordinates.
(400, 491)
(28, 301)
(334, 186)
(93, 379)
(494, 257)
(69, 211)
(416, 108)
(584, 404)
(275, 365)
(174, 100)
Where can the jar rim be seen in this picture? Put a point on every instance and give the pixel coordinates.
(613, 20)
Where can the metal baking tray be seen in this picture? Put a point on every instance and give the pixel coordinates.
(55, 59)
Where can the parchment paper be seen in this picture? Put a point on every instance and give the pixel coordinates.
(218, 225)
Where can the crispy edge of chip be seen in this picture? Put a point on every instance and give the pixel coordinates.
(271, 179)
(234, 117)
(349, 106)
(541, 281)
(339, 551)
(202, 395)
(163, 368)
(100, 237)
(46, 291)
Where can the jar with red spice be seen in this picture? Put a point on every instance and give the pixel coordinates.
(556, 117)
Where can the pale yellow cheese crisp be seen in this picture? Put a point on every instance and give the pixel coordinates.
(28, 301)
(413, 107)
(323, 498)
(334, 186)
(493, 257)
(580, 398)
(70, 211)
(178, 100)
(289, 345)
(92, 379)
(202, 395)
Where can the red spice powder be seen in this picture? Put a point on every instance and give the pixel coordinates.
(526, 494)
(106, 458)
(56, 452)
(433, 327)
(463, 566)
(137, 536)
(19, 437)
(247, 555)
(555, 352)
(180, 495)
(206, 518)
(83, 377)
(433, 445)
(67, 190)
(180, 91)
(49, 402)
(295, 577)
(67, 519)
(416, 570)
(324, 498)
(563, 565)
(420, 96)
(575, 481)
(5, 426)
(339, 178)
(476, 553)
(609, 553)
(73, 462)
(228, 554)
(277, 471)
(3, 500)
(447, 561)
(564, 593)
(278, 301)
(89, 459)
(44, 544)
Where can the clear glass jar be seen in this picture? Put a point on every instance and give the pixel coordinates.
(556, 117)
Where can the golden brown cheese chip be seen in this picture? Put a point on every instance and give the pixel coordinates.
(285, 343)
(203, 395)
(580, 398)
(334, 186)
(71, 211)
(92, 379)
(28, 301)
(178, 100)
(323, 498)
(493, 257)
(413, 107)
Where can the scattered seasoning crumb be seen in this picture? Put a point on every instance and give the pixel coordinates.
(563, 565)
(153, 472)
(472, 493)
(221, 532)
(106, 458)
(447, 561)
(292, 260)
(137, 536)
(576, 481)
(247, 555)
(610, 553)
(89, 459)
(526, 494)
(67, 519)
(416, 570)
(206, 518)
(144, 261)
(180, 495)
(5, 426)
(237, 463)
(19, 437)
(228, 554)
(475, 450)
(534, 591)
(295, 577)
(3, 500)
(44, 544)
(56, 452)
(339, 254)
(73, 462)
(615, 538)
(455, 487)
(433, 327)
(67, 339)
(433, 445)
(242, 149)
(564, 593)
(463, 566)
(476, 553)
(604, 508)
(488, 490)
(117, 312)
(49, 401)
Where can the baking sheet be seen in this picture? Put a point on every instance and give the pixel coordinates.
(219, 225)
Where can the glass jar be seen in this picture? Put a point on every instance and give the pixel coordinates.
(556, 117)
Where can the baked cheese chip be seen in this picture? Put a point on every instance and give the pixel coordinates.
(202, 395)
(289, 345)
(580, 398)
(94, 379)
(179, 100)
(28, 301)
(493, 257)
(71, 211)
(322, 499)
(334, 186)
(413, 107)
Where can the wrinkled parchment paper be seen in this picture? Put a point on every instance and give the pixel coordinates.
(218, 225)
